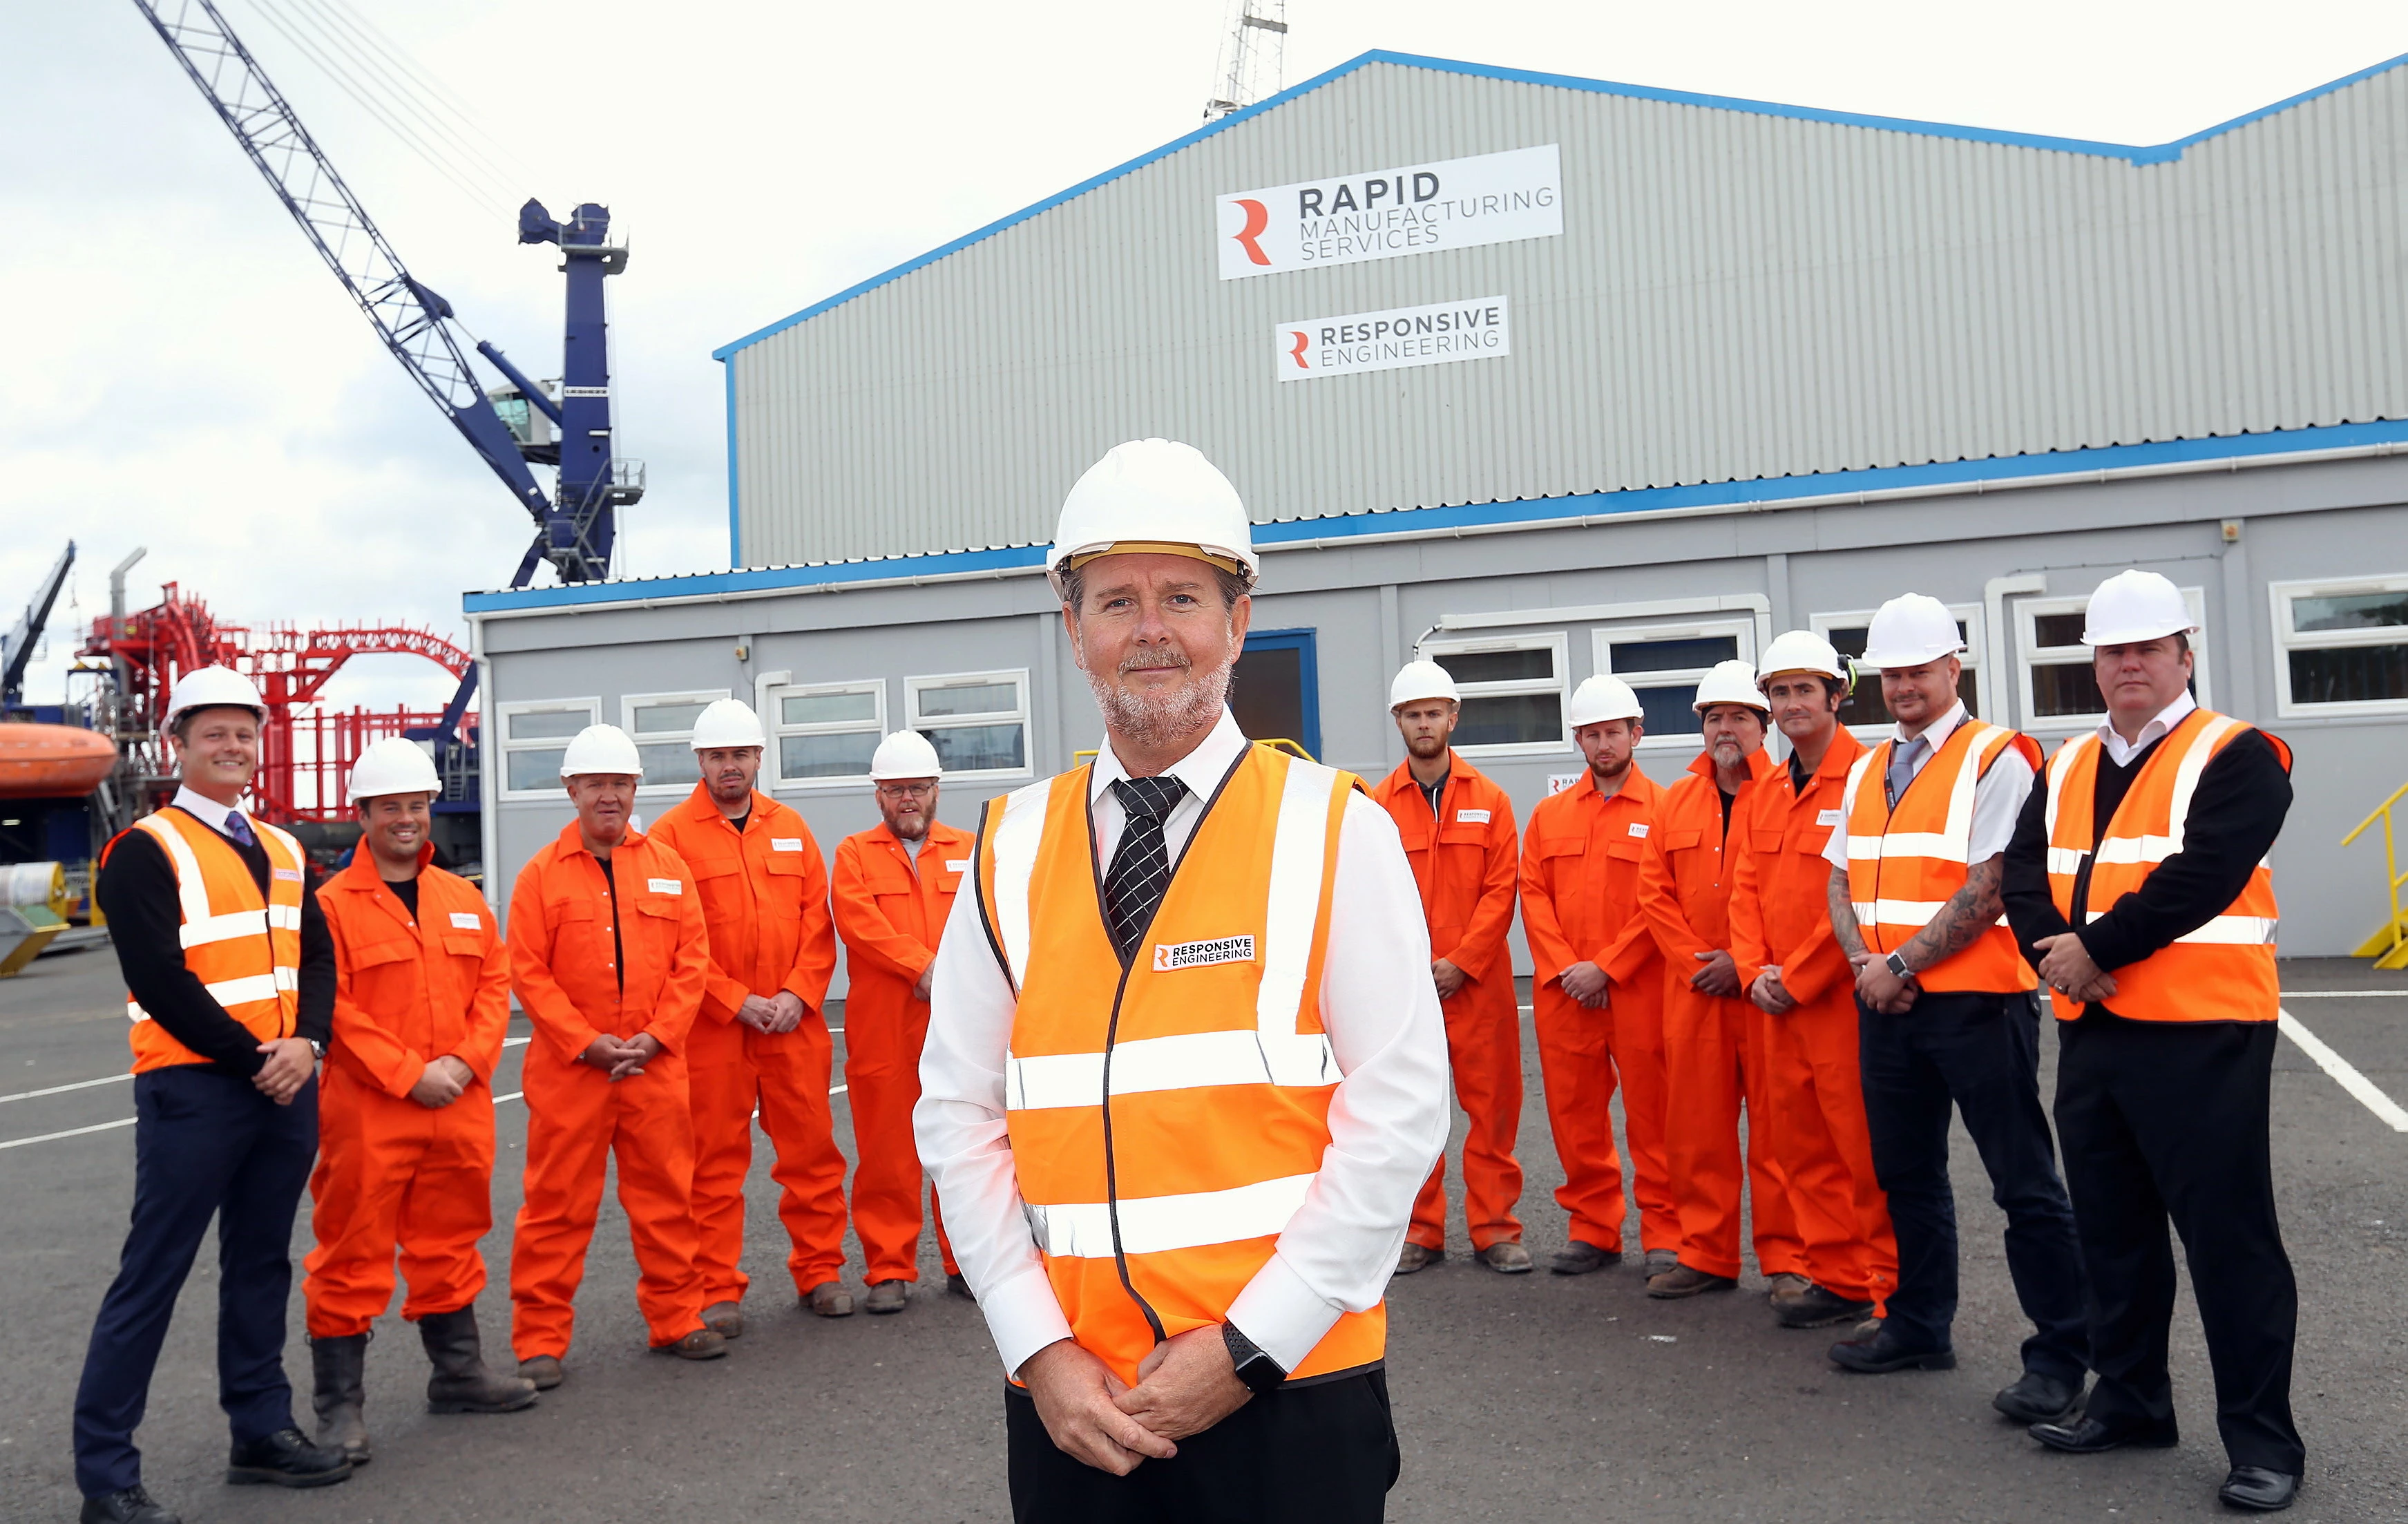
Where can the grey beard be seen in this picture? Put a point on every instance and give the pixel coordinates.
(1155, 721)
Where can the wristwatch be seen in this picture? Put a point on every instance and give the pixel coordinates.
(317, 1049)
(1898, 968)
(1259, 1370)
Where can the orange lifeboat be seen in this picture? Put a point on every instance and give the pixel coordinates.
(52, 761)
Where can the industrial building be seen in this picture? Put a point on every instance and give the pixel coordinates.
(1541, 376)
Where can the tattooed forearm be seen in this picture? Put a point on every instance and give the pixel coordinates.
(1969, 911)
(1843, 916)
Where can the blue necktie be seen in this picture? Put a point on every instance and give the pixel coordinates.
(240, 830)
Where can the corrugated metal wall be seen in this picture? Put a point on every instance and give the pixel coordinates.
(1735, 296)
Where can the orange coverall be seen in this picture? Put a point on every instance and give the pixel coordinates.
(891, 912)
(391, 1173)
(1713, 1045)
(765, 899)
(1780, 915)
(1581, 855)
(1466, 860)
(566, 972)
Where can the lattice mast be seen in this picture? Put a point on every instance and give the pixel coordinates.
(1253, 57)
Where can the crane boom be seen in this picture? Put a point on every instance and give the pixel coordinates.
(17, 646)
(412, 319)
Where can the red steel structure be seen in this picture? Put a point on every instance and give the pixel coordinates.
(306, 749)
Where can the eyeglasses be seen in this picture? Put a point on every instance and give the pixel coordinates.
(906, 791)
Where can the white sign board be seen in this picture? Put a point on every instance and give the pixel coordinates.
(1439, 334)
(1384, 213)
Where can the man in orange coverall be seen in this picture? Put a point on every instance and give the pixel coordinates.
(1714, 1038)
(895, 885)
(1794, 973)
(608, 954)
(1596, 985)
(1458, 828)
(761, 1041)
(405, 1109)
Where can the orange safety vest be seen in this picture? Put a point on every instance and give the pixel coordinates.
(1168, 1115)
(2222, 971)
(1904, 863)
(244, 949)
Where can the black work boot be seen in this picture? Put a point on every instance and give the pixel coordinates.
(131, 1506)
(462, 1382)
(342, 1423)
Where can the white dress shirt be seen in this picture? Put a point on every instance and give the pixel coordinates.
(1388, 1117)
(2121, 752)
(206, 809)
(1997, 796)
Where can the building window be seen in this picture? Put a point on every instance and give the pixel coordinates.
(823, 731)
(535, 737)
(662, 724)
(1665, 663)
(1513, 689)
(977, 721)
(1864, 712)
(2342, 646)
(2054, 673)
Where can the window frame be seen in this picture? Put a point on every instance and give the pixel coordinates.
(1018, 676)
(630, 702)
(2031, 656)
(506, 710)
(1604, 638)
(2280, 597)
(767, 696)
(1986, 692)
(1556, 642)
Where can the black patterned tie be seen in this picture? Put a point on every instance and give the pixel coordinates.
(1141, 864)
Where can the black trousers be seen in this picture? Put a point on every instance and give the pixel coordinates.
(1979, 1054)
(206, 1143)
(1325, 1453)
(2169, 1119)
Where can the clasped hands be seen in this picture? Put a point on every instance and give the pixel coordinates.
(621, 1060)
(445, 1080)
(780, 1013)
(290, 1061)
(1185, 1385)
(1880, 989)
(2066, 966)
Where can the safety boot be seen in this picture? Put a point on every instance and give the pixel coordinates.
(462, 1382)
(1415, 1256)
(340, 1365)
(887, 1297)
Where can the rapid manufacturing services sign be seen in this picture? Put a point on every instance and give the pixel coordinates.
(1439, 334)
(1418, 210)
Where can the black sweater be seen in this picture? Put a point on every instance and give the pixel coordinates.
(136, 891)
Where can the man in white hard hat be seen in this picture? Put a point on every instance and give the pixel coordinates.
(1596, 985)
(609, 957)
(2138, 878)
(761, 1043)
(1944, 1013)
(406, 1110)
(1186, 1071)
(1713, 1038)
(1791, 963)
(895, 887)
(230, 979)
(1458, 828)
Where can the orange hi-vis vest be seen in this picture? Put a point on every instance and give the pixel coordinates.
(1904, 863)
(1167, 1115)
(245, 950)
(2222, 971)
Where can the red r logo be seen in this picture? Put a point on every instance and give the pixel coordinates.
(1298, 353)
(1259, 217)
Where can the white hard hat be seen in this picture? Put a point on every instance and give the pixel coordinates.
(906, 753)
(1729, 682)
(396, 765)
(1910, 630)
(728, 722)
(601, 748)
(2136, 605)
(1154, 495)
(1421, 680)
(1802, 651)
(213, 687)
(1603, 697)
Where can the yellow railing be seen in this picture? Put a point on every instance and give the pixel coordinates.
(2388, 947)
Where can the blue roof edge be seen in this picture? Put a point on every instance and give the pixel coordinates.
(2136, 154)
(1538, 513)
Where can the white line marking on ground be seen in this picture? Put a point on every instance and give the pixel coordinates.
(2344, 1073)
(71, 1132)
(62, 1089)
(2345, 994)
(516, 1042)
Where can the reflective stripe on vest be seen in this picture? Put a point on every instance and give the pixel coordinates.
(1906, 862)
(2223, 970)
(1167, 1115)
(245, 951)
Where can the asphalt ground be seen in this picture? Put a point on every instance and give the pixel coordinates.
(1516, 1398)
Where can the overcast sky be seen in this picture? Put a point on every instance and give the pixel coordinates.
(177, 371)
